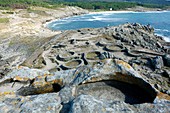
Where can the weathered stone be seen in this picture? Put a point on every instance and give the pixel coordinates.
(104, 82)
(166, 73)
(157, 62)
(166, 59)
(159, 44)
(87, 103)
(36, 103)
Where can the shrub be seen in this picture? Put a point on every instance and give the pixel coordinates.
(19, 6)
(4, 20)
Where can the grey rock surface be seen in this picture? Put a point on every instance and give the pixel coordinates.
(31, 104)
(115, 69)
(167, 60)
(157, 62)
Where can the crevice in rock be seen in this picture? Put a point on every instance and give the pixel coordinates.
(56, 87)
(31, 90)
(66, 107)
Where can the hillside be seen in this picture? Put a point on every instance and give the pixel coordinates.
(164, 2)
(85, 4)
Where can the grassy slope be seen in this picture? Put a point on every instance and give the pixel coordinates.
(138, 1)
(24, 4)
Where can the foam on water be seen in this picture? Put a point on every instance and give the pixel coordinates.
(158, 19)
(167, 39)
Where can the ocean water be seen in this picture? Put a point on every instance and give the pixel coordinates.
(160, 20)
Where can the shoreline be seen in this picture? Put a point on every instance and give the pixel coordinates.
(105, 12)
(166, 39)
(137, 9)
(132, 11)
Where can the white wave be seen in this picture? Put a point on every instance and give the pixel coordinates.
(113, 19)
(167, 39)
(165, 30)
(165, 11)
(105, 19)
(114, 12)
(162, 30)
(107, 12)
(158, 29)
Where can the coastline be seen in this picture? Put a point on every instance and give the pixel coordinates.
(30, 28)
(131, 11)
(104, 12)
(166, 39)
(122, 11)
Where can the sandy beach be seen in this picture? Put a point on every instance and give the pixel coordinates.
(133, 10)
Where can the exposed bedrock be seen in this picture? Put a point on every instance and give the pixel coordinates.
(123, 68)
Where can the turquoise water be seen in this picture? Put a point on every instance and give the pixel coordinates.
(159, 20)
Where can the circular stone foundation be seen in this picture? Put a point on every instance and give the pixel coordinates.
(113, 48)
(93, 55)
(72, 64)
(66, 56)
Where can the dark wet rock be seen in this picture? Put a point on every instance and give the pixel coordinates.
(157, 86)
(0, 56)
(159, 44)
(157, 62)
(166, 59)
(166, 73)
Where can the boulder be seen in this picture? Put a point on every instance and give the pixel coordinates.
(166, 59)
(157, 62)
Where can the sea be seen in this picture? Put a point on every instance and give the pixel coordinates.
(160, 20)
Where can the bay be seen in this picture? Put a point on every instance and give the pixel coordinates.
(160, 20)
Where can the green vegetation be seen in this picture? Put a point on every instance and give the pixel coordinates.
(158, 2)
(101, 5)
(108, 5)
(152, 5)
(8, 12)
(22, 4)
(86, 4)
(39, 12)
(4, 20)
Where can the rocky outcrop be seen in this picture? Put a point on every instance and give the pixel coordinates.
(25, 32)
(112, 69)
